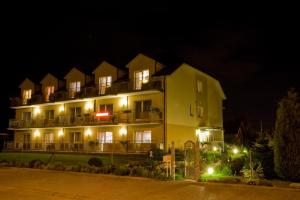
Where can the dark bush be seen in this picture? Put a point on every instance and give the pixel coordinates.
(236, 165)
(94, 161)
(122, 171)
(37, 163)
(76, 168)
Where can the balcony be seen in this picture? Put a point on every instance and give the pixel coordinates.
(118, 87)
(91, 146)
(127, 116)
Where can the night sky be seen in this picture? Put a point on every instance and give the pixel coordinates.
(254, 54)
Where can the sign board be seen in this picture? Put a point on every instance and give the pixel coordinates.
(167, 158)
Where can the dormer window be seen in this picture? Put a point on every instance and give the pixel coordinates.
(140, 78)
(104, 82)
(74, 88)
(48, 91)
(26, 96)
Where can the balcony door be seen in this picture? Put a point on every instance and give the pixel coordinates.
(76, 141)
(74, 87)
(75, 114)
(142, 109)
(26, 96)
(26, 141)
(140, 78)
(104, 82)
(48, 91)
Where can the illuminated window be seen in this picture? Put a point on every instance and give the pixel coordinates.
(26, 96)
(104, 137)
(75, 137)
(140, 77)
(48, 91)
(73, 88)
(104, 82)
(107, 108)
(49, 138)
(143, 137)
(75, 113)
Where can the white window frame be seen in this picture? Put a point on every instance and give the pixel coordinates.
(104, 82)
(143, 137)
(105, 137)
(74, 87)
(26, 95)
(141, 77)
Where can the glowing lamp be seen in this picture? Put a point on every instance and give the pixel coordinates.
(60, 133)
(88, 132)
(235, 150)
(88, 106)
(210, 170)
(123, 102)
(36, 133)
(215, 148)
(123, 131)
(202, 135)
(37, 110)
(61, 108)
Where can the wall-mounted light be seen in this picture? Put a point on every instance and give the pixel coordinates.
(123, 102)
(60, 133)
(36, 133)
(215, 148)
(235, 150)
(88, 105)
(88, 132)
(61, 108)
(37, 110)
(123, 131)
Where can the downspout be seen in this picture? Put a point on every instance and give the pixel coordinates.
(165, 112)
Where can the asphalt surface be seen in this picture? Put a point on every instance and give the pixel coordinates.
(20, 183)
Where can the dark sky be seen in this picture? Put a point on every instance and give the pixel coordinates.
(253, 53)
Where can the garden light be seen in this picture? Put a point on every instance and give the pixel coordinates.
(210, 170)
(235, 150)
(215, 148)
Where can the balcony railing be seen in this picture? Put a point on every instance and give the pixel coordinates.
(92, 146)
(91, 91)
(88, 120)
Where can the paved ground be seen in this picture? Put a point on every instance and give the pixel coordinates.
(17, 183)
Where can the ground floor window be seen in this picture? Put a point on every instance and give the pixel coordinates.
(105, 137)
(75, 137)
(49, 138)
(143, 136)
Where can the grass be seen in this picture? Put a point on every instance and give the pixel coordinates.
(218, 177)
(68, 158)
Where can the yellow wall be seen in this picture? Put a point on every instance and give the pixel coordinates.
(26, 85)
(49, 80)
(141, 62)
(106, 69)
(75, 75)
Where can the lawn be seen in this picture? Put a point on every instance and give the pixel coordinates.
(68, 159)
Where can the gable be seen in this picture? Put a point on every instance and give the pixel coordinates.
(27, 83)
(49, 78)
(105, 68)
(74, 73)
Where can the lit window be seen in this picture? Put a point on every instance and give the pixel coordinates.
(143, 137)
(104, 82)
(74, 87)
(104, 137)
(199, 86)
(48, 91)
(106, 108)
(49, 138)
(26, 96)
(140, 77)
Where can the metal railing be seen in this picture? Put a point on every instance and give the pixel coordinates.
(156, 83)
(92, 146)
(88, 120)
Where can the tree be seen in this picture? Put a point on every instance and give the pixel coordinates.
(287, 137)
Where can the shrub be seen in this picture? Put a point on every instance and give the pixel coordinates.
(139, 171)
(94, 161)
(56, 166)
(85, 167)
(236, 165)
(76, 168)
(122, 171)
(224, 169)
(37, 163)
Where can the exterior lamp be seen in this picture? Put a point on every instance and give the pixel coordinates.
(235, 150)
(88, 105)
(123, 102)
(37, 110)
(88, 132)
(123, 131)
(61, 108)
(215, 148)
(60, 133)
(36, 133)
(210, 170)
(245, 150)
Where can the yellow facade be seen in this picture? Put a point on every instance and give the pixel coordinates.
(151, 112)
